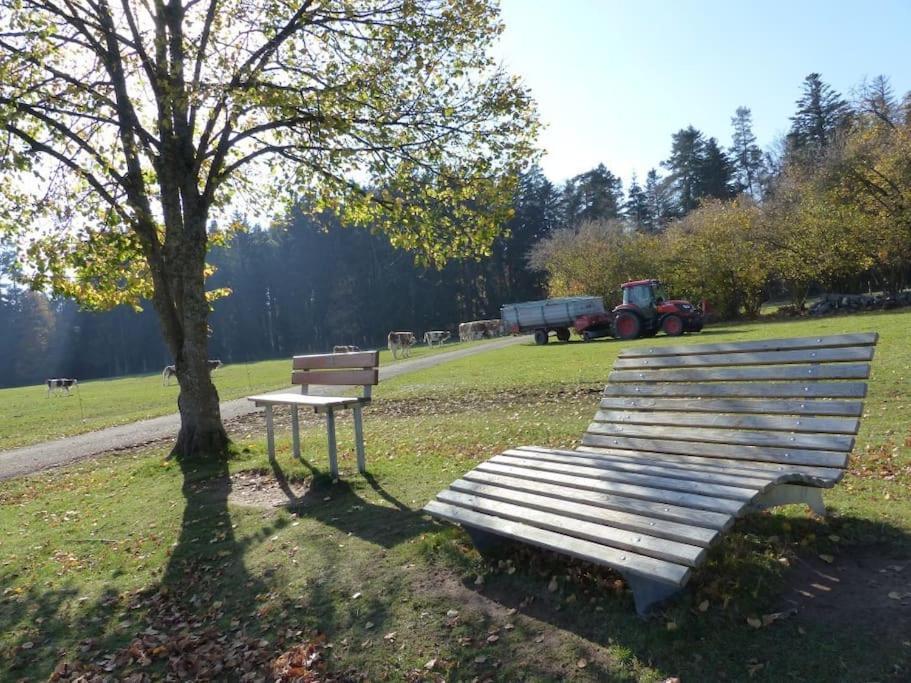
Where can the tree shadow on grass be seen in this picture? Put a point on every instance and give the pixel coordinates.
(831, 613)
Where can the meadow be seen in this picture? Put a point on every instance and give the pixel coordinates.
(132, 564)
(28, 415)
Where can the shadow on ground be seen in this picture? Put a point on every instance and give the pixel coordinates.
(777, 600)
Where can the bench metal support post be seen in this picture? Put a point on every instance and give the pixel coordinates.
(359, 438)
(791, 494)
(270, 433)
(333, 454)
(295, 433)
(647, 592)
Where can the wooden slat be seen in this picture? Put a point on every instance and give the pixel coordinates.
(862, 339)
(623, 560)
(741, 390)
(707, 475)
(660, 528)
(637, 542)
(828, 425)
(657, 510)
(785, 456)
(713, 504)
(838, 355)
(659, 482)
(305, 400)
(764, 373)
(335, 377)
(820, 476)
(330, 361)
(764, 407)
(821, 442)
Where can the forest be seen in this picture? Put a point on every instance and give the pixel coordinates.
(828, 207)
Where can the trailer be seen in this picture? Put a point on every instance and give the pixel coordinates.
(585, 314)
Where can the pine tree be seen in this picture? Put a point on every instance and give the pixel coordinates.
(716, 174)
(686, 166)
(636, 208)
(821, 114)
(594, 195)
(657, 201)
(746, 156)
(876, 98)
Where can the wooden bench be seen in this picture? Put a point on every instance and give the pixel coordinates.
(330, 369)
(686, 439)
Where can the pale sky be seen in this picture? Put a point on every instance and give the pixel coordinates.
(614, 79)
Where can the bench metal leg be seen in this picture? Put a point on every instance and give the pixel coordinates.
(333, 454)
(359, 439)
(295, 433)
(647, 592)
(270, 433)
(791, 494)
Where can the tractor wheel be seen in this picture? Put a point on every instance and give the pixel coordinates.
(541, 337)
(672, 326)
(627, 325)
(563, 334)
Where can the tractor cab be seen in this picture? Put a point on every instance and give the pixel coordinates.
(646, 310)
(643, 294)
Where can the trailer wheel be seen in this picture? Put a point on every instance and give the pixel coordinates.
(587, 336)
(563, 334)
(541, 337)
(627, 325)
(672, 326)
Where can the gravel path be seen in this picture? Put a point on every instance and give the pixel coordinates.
(29, 459)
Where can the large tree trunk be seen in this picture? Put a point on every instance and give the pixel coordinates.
(180, 300)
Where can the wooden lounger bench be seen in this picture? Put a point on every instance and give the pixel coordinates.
(331, 369)
(687, 438)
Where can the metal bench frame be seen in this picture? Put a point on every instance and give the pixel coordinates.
(687, 438)
(331, 369)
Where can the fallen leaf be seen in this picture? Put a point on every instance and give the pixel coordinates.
(754, 622)
(581, 664)
(452, 613)
(671, 626)
(389, 636)
(28, 645)
(369, 624)
(480, 659)
(493, 638)
(431, 664)
(703, 606)
(355, 596)
(827, 558)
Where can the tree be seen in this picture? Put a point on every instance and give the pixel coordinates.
(877, 99)
(130, 125)
(594, 195)
(716, 174)
(821, 114)
(658, 200)
(637, 208)
(686, 166)
(746, 156)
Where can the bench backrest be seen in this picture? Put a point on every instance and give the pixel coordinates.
(345, 369)
(784, 404)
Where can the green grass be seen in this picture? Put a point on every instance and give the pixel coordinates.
(94, 556)
(28, 415)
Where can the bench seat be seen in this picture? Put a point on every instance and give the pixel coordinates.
(319, 403)
(660, 475)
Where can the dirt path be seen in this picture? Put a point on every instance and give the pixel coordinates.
(29, 459)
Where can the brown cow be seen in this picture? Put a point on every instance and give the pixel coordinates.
(401, 343)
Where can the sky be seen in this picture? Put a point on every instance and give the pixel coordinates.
(614, 79)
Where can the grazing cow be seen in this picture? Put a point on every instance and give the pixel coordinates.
(401, 343)
(61, 385)
(480, 329)
(171, 370)
(438, 337)
(350, 348)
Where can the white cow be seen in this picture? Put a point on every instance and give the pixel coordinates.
(345, 348)
(438, 337)
(171, 370)
(400, 343)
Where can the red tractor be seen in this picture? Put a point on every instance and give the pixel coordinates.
(646, 310)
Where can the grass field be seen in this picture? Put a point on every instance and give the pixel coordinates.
(130, 565)
(28, 415)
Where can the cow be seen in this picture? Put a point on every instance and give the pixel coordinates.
(464, 332)
(171, 370)
(480, 329)
(340, 348)
(401, 343)
(61, 385)
(438, 337)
